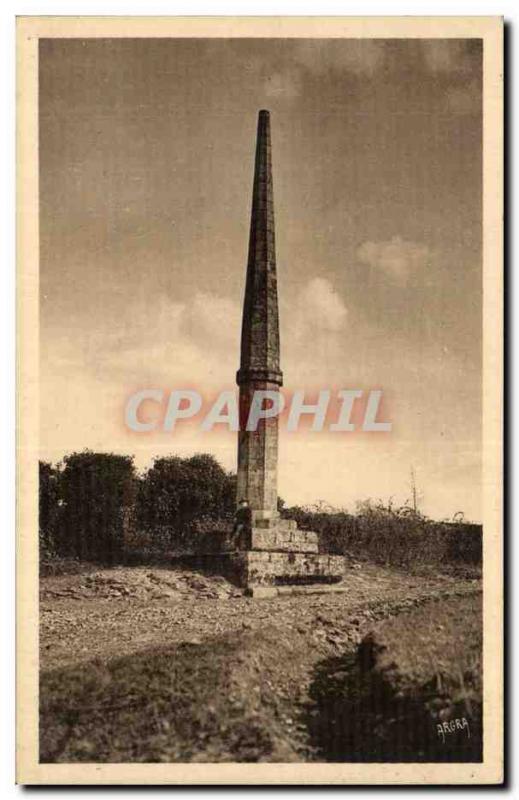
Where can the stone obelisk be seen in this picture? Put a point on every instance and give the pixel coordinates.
(259, 362)
(277, 558)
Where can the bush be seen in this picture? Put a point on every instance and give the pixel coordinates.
(396, 536)
(95, 508)
(97, 495)
(48, 508)
(178, 497)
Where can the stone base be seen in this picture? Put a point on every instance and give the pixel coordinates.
(285, 541)
(276, 558)
(264, 592)
(266, 518)
(256, 568)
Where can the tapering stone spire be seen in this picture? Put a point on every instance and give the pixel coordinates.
(260, 326)
(259, 364)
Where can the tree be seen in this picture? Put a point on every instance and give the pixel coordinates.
(98, 495)
(177, 491)
(48, 507)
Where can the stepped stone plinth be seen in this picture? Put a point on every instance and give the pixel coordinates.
(280, 556)
(284, 541)
(261, 568)
(283, 536)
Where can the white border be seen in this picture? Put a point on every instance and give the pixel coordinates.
(154, 7)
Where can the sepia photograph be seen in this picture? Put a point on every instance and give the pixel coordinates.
(260, 337)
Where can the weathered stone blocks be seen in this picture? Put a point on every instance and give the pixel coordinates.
(284, 540)
(296, 589)
(263, 568)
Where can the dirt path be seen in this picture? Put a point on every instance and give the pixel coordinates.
(240, 668)
(115, 612)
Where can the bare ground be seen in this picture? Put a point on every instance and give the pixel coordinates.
(149, 664)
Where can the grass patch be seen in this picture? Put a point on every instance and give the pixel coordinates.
(413, 673)
(208, 702)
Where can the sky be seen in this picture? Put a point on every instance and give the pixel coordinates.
(146, 164)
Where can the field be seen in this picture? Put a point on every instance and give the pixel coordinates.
(150, 664)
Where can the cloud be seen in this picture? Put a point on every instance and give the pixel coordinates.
(313, 321)
(214, 319)
(285, 84)
(197, 340)
(396, 258)
(361, 57)
(450, 56)
(457, 63)
(466, 99)
(166, 340)
(321, 307)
